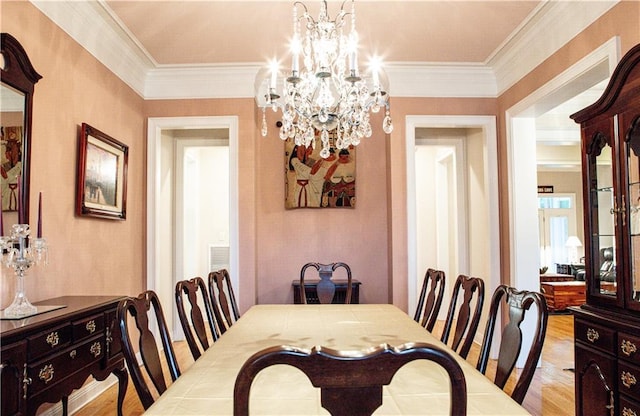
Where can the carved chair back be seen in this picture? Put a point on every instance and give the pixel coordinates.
(223, 300)
(350, 382)
(518, 303)
(195, 332)
(139, 309)
(466, 323)
(430, 299)
(326, 288)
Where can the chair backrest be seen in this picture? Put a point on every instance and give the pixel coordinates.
(138, 309)
(326, 288)
(430, 298)
(466, 321)
(350, 382)
(518, 303)
(223, 301)
(195, 331)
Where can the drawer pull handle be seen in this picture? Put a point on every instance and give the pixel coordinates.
(95, 349)
(628, 379)
(73, 354)
(53, 339)
(26, 381)
(592, 335)
(46, 373)
(628, 347)
(628, 412)
(91, 326)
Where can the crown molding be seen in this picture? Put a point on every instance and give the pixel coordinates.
(219, 81)
(96, 30)
(446, 80)
(549, 27)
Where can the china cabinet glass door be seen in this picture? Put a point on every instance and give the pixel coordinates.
(632, 225)
(604, 208)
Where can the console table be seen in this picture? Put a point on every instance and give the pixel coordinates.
(312, 295)
(556, 277)
(47, 356)
(561, 295)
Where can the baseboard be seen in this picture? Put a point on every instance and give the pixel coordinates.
(81, 397)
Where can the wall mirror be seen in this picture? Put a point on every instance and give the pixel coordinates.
(17, 81)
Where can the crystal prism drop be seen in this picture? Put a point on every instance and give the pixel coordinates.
(264, 124)
(387, 124)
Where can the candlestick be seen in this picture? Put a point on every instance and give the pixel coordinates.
(20, 256)
(39, 234)
(19, 192)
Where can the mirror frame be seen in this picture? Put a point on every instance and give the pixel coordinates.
(19, 74)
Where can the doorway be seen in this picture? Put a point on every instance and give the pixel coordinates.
(524, 239)
(521, 155)
(186, 157)
(451, 199)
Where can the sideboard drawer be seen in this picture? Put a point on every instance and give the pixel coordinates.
(53, 369)
(88, 327)
(629, 407)
(596, 335)
(49, 341)
(629, 380)
(629, 347)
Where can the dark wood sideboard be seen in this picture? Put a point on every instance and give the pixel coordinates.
(45, 357)
(312, 295)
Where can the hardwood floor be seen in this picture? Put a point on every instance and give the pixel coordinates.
(551, 391)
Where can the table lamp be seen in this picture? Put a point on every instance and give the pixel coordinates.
(573, 243)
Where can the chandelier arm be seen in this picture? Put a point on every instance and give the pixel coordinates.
(310, 20)
(342, 15)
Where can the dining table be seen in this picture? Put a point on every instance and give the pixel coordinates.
(420, 387)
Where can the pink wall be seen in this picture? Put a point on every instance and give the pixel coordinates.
(87, 256)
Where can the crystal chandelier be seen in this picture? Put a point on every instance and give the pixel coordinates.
(328, 94)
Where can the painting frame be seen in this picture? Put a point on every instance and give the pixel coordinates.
(101, 189)
(311, 181)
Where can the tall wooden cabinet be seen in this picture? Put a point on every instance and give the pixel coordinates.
(607, 326)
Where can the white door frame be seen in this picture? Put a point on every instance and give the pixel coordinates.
(520, 122)
(488, 126)
(154, 180)
(521, 163)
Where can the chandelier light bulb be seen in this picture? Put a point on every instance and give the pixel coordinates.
(328, 94)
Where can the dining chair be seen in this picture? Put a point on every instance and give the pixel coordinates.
(466, 322)
(139, 310)
(350, 382)
(223, 300)
(326, 288)
(195, 332)
(429, 303)
(518, 302)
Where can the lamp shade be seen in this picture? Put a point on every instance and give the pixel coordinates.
(573, 241)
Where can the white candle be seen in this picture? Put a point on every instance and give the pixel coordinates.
(274, 76)
(352, 61)
(295, 65)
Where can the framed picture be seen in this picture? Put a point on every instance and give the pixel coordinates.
(11, 141)
(102, 175)
(315, 182)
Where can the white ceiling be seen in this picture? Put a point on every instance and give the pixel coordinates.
(214, 48)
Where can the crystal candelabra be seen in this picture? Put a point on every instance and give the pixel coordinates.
(20, 253)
